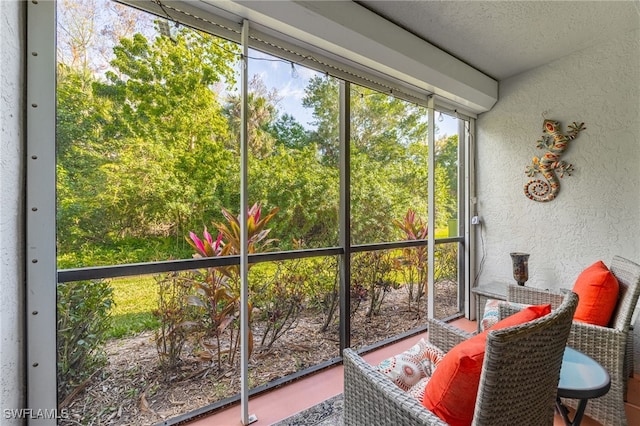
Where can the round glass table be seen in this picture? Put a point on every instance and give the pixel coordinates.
(582, 378)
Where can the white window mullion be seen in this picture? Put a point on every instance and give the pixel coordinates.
(431, 307)
(471, 209)
(244, 236)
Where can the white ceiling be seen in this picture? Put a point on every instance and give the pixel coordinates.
(505, 38)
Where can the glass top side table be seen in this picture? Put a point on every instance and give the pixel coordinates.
(581, 377)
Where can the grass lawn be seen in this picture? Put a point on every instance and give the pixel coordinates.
(135, 299)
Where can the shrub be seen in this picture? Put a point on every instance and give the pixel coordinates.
(371, 280)
(322, 287)
(83, 320)
(218, 306)
(282, 300)
(446, 265)
(174, 314)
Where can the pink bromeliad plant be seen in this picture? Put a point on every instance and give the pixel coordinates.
(413, 260)
(414, 229)
(217, 290)
(205, 247)
(256, 231)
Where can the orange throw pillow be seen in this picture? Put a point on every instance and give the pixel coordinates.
(528, 314)
(451, 393)
(597, 289)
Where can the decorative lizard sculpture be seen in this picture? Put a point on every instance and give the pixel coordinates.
(549, 165)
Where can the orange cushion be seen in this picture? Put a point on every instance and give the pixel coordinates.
(451, 393)
(597, 289)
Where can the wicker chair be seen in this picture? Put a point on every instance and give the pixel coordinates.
(611, 346)
(518, 383)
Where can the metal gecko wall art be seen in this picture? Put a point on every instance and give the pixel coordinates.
(549, 164)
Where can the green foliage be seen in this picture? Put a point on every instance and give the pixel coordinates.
(389, 155)
(79, 160)
(446, 262)
(288, 132)
(447, 179)
(83, 319)
(382, 126)
(167, 128)
(322, 97)
(374, 199)
(152, 151)
(322, 287)
(261, 113)
(305, 191)
(139, 153)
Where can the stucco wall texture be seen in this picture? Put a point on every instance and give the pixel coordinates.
(597, 212)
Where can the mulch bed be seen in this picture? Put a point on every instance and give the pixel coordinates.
(133, 390)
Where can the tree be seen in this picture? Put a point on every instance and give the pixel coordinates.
(77, 25)
(322, 96)
(383, 126)
(447, 166)
(167, 132)
(305, 190)
(290, 133)
(151, 148)
(388, 155)
(261, 112)
(80, 158)
(85, 38)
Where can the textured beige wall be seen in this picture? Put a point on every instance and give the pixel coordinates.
(12, 45)
(597, 212)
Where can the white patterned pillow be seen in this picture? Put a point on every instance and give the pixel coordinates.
(417, 390)
(492, 312)
(406, 369)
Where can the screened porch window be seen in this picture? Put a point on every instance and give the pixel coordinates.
(148, 179)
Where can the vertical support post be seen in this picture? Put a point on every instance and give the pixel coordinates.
(471, 210)
(431, 305)
(345, 214)
(244, 255)
(463, 288)
(40, 209)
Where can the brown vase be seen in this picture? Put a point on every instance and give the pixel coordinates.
(520, 267)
